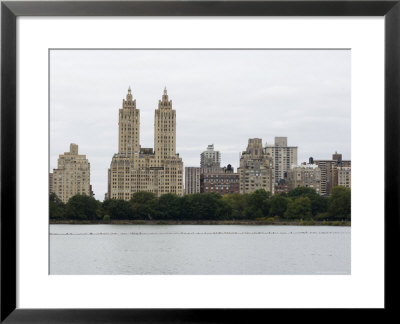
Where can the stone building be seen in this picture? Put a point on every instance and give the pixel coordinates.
(329, 172)
(72, 176)
(256, 168)
(225, 181)
(134, 168)
(192, 180)
(305, 175)
(283, 157)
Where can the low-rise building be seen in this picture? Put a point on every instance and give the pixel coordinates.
(281, 186)
(225, 181)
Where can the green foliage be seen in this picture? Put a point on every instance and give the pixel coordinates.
(299, 208)
(117, 209)
(82, 207)
(204, 206)
(56, 207)
(144, 205)
(318, 203)
(278, 205)
(168, 207)
(322, 216)
(235, 204)
(258, 204)
(339, 204)
(300, 203)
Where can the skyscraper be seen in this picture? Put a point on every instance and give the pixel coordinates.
(134, 168)
(72, 176)
(129, 126)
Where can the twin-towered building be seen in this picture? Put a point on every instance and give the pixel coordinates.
(160, 170)
(134, 168)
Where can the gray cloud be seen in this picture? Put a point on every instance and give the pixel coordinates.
(222, 97)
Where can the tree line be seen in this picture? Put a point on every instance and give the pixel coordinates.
(298, 204)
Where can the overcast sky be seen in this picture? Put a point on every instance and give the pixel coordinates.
(221, 97)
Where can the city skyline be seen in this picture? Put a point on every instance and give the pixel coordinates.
(221, 98)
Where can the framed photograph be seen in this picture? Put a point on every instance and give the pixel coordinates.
(222, 186)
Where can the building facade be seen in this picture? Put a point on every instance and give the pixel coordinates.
(305, 175)
(256, 169)
(283, 157)
(133, 168)
(192, 180)
(210, 160)
(72, 176)
(344, 176)
(225, 181)
(281, 187)
(50, 182)
(329, 172)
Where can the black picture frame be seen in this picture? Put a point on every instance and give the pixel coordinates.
(10, 10)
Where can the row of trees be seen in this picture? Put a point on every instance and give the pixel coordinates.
(300, 203)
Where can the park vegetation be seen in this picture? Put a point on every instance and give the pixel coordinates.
(300, 204)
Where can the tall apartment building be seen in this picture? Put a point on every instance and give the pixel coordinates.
(192, 180)
(344, 176)
(72, 176)
(134, 168)
(305, 175)
(223, 181)
(283, 157)
(210, 160)
(256, 168)
(329, 172)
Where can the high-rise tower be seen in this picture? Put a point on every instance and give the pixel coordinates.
(164, 128)
(135, 168)
(129, 126)
(283, 157)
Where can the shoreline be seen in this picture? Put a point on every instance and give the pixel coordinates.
(201, 222)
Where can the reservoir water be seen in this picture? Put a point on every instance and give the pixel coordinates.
(199, 249)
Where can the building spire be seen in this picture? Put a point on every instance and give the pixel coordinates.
(165, 95)
(129, 95)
